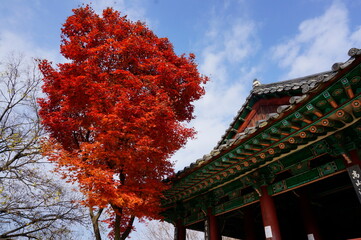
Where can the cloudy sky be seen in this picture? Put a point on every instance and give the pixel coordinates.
(235, 41)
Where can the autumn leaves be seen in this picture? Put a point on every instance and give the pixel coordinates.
(115, 112)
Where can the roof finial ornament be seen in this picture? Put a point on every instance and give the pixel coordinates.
(354, 51)
(256, 83)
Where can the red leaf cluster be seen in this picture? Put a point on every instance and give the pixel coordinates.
(116, 110)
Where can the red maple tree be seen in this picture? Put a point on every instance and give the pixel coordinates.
(116, 112)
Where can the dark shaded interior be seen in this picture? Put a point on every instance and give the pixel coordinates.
(334, 204)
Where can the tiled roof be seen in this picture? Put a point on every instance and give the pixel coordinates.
(303, 85)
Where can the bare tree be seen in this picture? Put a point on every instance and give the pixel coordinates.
(156, 230)
(33, 204)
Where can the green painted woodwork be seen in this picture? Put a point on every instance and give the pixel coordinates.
(234, 199)
(279, 186)
(231, 171)
(296, 157)
(305, 177)
(320, 147)
(327, 169)
(302, 178)
(196, 217)
(236, 203)
(355, 80)
(276, 167)
(299, 167)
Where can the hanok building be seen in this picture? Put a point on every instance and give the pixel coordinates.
(288, 166)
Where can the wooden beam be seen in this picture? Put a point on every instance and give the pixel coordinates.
(346, 85)
(330, 99)
(344, 116)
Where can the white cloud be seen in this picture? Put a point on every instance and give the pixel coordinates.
(356, 37)
(320, 42)
(226, 48)
(15, 42)
(239, 42)
(17, 35)
(133, 9)
(214, 112)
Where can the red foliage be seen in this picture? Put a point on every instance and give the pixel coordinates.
(115, 111)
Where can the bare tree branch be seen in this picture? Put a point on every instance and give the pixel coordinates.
(33, 204)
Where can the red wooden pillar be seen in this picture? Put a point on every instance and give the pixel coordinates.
(179, 231)
(249, 222)
(355, 159)
(214, 233)
(354, 172)
(309, 219)
(269, 216)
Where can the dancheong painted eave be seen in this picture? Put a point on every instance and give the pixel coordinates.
(245, 147)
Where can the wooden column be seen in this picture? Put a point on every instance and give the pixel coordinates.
(354, 172)
(179, 231)
(214, 233)
(249, 222)
(355, 159)
(309, 220)
(269, 216)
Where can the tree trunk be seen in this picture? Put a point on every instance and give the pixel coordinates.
(95, 222)
(117, 227)
(118, 217)
(125, 234)
(128, 229)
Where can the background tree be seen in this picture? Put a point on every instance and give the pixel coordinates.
(32, 204)
(156, 230)
(116, 111)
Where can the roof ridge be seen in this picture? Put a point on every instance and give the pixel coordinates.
(295, 79)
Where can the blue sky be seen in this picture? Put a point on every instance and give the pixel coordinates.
(235, 41)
